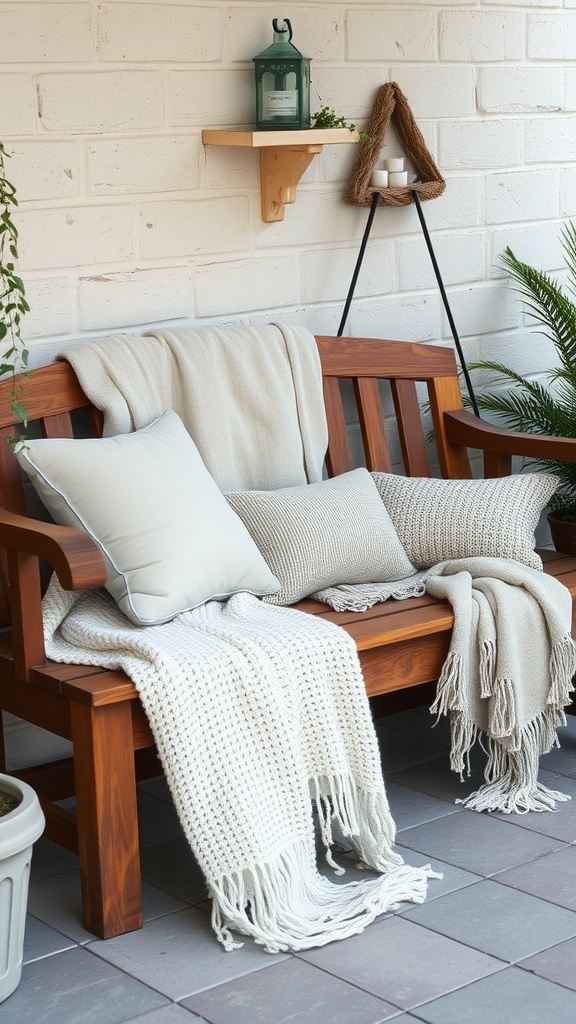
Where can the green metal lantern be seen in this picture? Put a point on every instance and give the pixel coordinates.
(282, 82)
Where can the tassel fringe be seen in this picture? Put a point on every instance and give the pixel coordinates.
(450, 690)
(285, 904)
(512, 785)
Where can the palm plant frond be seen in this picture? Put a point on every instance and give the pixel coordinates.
(548, 405)
(547, 304)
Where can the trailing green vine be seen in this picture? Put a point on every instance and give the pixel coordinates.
(13, 304)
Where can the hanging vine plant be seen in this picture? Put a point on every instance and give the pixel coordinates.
(13, 304)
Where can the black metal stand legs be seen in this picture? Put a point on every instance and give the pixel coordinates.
(428, 240)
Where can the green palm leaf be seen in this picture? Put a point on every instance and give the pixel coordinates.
(545, 406)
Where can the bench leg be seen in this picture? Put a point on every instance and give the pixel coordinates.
(107, 818)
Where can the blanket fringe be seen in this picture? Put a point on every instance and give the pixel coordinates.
(562, 671)
(361, 815)
(502, 709)
(487, 667)
(354, 598)
(285, 904)
(512, 785)
(450, 690)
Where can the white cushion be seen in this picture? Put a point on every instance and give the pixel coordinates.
(170, 540)
(444, 519)
(319, 535)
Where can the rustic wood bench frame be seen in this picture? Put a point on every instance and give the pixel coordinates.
(401, 644)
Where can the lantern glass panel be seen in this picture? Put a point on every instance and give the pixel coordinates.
(282, 78)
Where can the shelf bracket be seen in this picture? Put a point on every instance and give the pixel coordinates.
(284, 156)
(281, 169)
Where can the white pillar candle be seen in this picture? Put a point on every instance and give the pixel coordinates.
(397, 179)
(395, 163)
(379, 178)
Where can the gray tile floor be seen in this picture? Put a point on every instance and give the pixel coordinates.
(495, 940)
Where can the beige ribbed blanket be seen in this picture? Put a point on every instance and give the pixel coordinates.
(250, 397)
(508, 674)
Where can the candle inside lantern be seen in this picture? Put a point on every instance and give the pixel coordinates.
(397, 179)
(379, 178)
(395, 163)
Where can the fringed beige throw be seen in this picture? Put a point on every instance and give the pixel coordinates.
(250, 397)
(259, 714)
(508, 674)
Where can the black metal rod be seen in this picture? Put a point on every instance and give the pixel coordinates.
(432, 254)
(365, 237)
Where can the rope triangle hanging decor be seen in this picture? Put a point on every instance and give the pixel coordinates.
(391, 103)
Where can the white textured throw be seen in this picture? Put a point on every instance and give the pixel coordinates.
(250, 397)
(258, 713)
(508, 674)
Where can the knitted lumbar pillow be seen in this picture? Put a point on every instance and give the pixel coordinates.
(318, 535)
(444, 519)
(169, 539)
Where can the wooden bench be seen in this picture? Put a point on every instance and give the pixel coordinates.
(401, 644)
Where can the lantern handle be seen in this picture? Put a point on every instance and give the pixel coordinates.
(285, 21)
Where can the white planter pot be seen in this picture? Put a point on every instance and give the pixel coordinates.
(18, 831)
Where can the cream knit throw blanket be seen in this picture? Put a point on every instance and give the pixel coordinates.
(250, 397)
(508, 674)
(258, 712)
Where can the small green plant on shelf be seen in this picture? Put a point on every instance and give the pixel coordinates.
(327, 118)
(13, 304)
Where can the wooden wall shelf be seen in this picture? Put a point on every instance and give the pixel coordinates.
(284, 156)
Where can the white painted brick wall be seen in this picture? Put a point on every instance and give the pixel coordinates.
(377, 275)
(46, 170)
(243, 286)
(159, 32)
(126, 219)
(18, 110)
(136, 297)
(461, 257)
(52, 308)
(101, 101)
(381, 33)
(480, 143)
(74, 236)
(406, 317)
(210, 98)
(522, 195)
(509, 90)
(146, 164)
(447, 91)
(535, 244)
(481, 35)
(550, 139)
(41, 33)
(178, 228)
(551, 36)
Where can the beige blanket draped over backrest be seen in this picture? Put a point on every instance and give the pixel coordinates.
(250, 397)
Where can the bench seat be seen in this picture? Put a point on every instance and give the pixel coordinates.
(401, 644)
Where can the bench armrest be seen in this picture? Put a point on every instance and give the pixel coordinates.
(499, 444)
(73, 554)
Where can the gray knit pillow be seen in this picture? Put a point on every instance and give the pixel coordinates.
(443, 519)
(319, 535)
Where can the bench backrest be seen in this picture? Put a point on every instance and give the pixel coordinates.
(53, 398)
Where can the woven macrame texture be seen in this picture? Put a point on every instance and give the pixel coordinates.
(336, 531)
(445, 519)
(391, 104)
